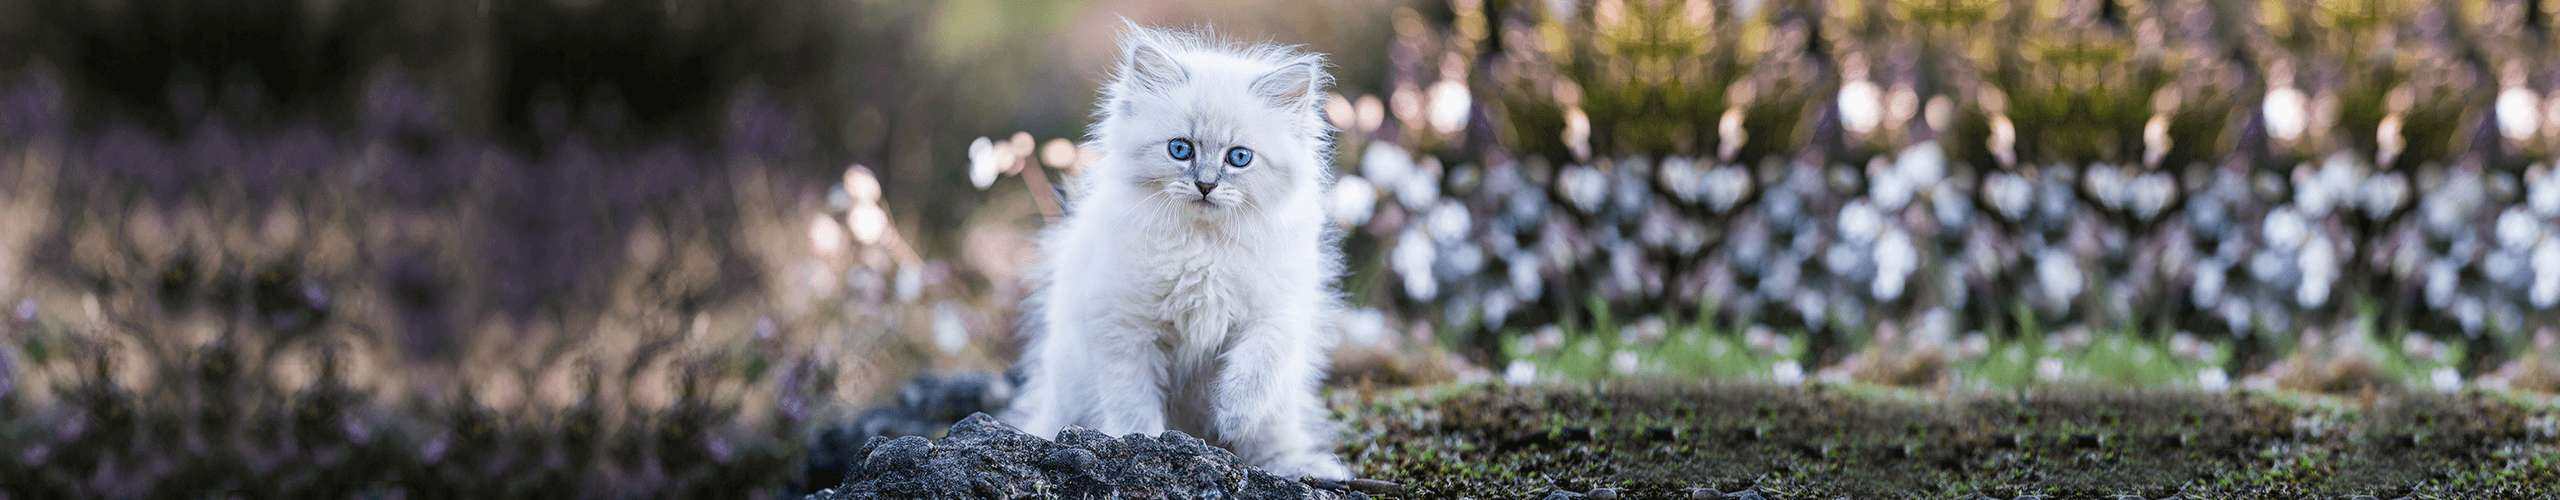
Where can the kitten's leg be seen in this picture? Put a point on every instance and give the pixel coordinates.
(1266, 405)
(1126, 386)
(1037, 410)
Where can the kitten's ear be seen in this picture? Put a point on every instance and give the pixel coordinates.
(1294, 86)
(1149, 67)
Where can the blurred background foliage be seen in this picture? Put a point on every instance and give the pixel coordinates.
(286, 247)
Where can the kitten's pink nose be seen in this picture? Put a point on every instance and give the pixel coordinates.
(1205, 187)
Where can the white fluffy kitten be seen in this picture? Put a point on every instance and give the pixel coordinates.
(1186, 288)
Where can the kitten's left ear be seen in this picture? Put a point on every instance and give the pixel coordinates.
(1294, 86)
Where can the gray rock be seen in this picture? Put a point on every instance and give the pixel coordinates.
(923, 405)
(981, 457)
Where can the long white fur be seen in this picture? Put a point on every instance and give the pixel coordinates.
(1164, 308)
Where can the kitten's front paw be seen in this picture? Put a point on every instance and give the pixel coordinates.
(1315, 465)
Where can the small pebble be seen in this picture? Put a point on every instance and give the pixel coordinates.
(901, 453)
(1081, 437)
(1069, 460)
(1184, 443)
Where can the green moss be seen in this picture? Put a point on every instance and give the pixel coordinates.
(1820, 441)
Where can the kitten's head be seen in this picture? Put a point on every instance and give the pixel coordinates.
(1214, 129)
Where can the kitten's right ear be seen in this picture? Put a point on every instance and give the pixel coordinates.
(1295, 86)
(1147, 66)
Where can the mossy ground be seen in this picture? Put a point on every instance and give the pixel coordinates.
(1668, 440)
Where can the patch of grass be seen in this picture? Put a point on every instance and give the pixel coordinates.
(2121, 359)
(2028, 356)
(1690, 350)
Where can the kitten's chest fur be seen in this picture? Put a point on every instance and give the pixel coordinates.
(1194, 292)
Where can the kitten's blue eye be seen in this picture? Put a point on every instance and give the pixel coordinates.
(1239, 157)
(1179, 149)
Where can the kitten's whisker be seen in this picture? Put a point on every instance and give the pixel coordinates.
(1144, 203)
